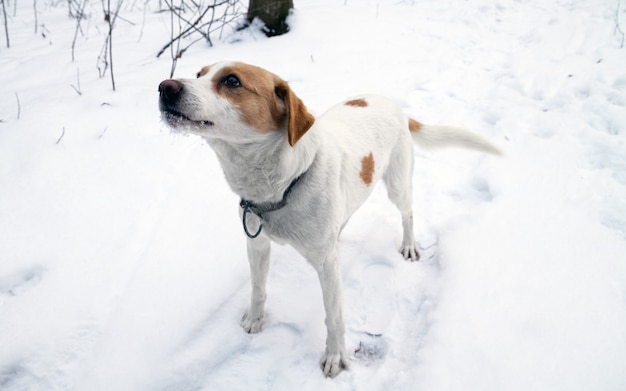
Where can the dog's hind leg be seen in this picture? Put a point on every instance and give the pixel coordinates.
(259, 258)
(398, 180)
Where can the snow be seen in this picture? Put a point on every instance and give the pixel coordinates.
(122, 260)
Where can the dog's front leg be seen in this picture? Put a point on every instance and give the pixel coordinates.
(335, 358)
(259, 258)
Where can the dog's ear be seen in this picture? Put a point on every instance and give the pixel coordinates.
(299, 120)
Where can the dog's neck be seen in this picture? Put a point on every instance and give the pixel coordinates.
(261, 170)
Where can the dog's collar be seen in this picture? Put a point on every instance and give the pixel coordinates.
(262, 208)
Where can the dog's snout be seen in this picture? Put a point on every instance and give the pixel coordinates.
(170, 90)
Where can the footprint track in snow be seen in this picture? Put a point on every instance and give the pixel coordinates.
(376, 304)
(17, 283)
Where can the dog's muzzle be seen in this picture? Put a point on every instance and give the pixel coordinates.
(170, 94)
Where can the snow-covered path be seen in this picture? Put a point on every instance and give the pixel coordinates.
(122, 261)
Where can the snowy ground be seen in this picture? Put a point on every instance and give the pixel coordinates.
(122, 261)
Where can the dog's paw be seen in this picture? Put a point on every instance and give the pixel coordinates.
(410, 253)
(251, 325)
(333, 363)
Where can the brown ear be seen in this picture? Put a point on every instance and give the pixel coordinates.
(299, 120)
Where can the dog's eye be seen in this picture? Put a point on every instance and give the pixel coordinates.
(231, 81)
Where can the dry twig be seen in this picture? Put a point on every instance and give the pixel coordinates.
(19, 106)
(61, 137)
(199, 26)
(6, 23)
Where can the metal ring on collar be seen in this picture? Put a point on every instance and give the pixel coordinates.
(246, 208)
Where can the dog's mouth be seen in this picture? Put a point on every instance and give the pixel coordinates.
(176, 119)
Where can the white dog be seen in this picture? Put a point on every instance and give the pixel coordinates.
(300, 178)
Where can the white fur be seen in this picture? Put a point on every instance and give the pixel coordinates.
(448, 136)
(260, 166)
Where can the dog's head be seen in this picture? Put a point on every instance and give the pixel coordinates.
(234, 102)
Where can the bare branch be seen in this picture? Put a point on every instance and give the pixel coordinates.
(110, 20)
(77, 89)
(6, 23)
(174, 57)
(35, 12)
(192, 26)
(143, 21)
(61, 137)
(106, 54)
(103, 132)
(19, 106)
(618, 28)
(79, 18)
(202, 21)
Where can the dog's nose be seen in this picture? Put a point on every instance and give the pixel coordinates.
(169, 90)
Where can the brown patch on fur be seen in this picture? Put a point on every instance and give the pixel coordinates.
(367, 169)
(255, 98)
(266, 102)
(415, 126)
(203, 71)
(357, 103)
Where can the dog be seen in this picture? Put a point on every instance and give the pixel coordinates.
(300, 178)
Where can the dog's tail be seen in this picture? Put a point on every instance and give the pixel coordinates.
(431, 136)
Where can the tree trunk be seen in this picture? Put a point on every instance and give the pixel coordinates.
(271, 12)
